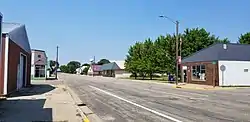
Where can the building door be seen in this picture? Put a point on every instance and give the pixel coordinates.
(40, 71)
(21, 72)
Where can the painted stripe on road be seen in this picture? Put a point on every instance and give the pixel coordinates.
(135, 104)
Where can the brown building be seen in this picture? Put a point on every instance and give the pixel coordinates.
(219, 65)
(15, 58)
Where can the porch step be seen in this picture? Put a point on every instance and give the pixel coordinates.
(2, 98)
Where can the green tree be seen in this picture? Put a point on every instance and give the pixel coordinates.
(72, 66)
(148, 58)
(85, 70)
(53, 65)
(134, 59)
(165, 54)
(64, 68)
(244, 38)
(196, 39)
(85, 64)
(103, 61)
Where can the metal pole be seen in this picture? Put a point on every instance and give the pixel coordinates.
(56, 60)
(93, 67)
(182, 74)
(1, 19)
(177, 43)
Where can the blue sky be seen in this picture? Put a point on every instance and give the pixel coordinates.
(105, 29)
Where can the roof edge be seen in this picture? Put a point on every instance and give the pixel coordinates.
(201, 50)
(37, 50)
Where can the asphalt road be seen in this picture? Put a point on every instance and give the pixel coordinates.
(129, 101)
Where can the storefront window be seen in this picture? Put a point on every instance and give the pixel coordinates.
(39, 70)
(199, 72)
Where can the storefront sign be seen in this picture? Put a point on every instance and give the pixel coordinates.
(214, 62)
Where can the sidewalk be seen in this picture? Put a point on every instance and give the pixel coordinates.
(44, 101)
(202, 87)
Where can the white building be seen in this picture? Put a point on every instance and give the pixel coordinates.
(80, 70)
(38, 64)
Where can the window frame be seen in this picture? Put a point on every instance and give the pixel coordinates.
(202, 68)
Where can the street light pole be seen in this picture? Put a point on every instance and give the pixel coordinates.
(177, 45)
(177, 56)
(56, 60)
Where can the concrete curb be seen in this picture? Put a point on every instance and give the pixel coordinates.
(200, 88)
(86, 113)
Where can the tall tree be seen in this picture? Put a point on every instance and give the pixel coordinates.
(133, 61)
(73, 65)
(86, 64)
(53, 65)
(149, 57)
(85, 70)
(103, 61)
(64, 68)
(244, 38)
(196, 39)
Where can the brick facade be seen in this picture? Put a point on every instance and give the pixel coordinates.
(211, 71)
(13, 61)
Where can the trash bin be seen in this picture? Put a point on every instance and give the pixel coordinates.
(170, 78)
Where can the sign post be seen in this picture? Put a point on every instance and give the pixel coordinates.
(1, 19)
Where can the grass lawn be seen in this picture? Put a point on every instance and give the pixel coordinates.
(155, 79)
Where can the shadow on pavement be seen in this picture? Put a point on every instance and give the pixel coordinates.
(51, 78)
(24, 111)
(35, 89)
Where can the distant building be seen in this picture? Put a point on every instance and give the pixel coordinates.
(80, 70)
(38, 64)
(95, 70)
(15, 58)
(115, 69)
(219, 65)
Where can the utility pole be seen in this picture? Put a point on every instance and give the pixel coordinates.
(177, 44)
(56, 60)
(93, 66)
(182, 74)
(1, 19)
(177, 50)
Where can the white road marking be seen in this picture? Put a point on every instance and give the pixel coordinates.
(135, 104)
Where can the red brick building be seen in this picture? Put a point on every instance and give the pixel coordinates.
(15, 64)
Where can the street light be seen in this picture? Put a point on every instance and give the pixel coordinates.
(56, 61)
(177, 43)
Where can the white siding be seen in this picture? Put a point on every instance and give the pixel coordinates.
(234, 75)
(35, 59)
(90, 71)
(122, 74)
(32, 64)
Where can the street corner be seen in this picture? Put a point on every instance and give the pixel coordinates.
(2, 98)
(203, 87)
(86, 119)
(230, 88)
(191, 87)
